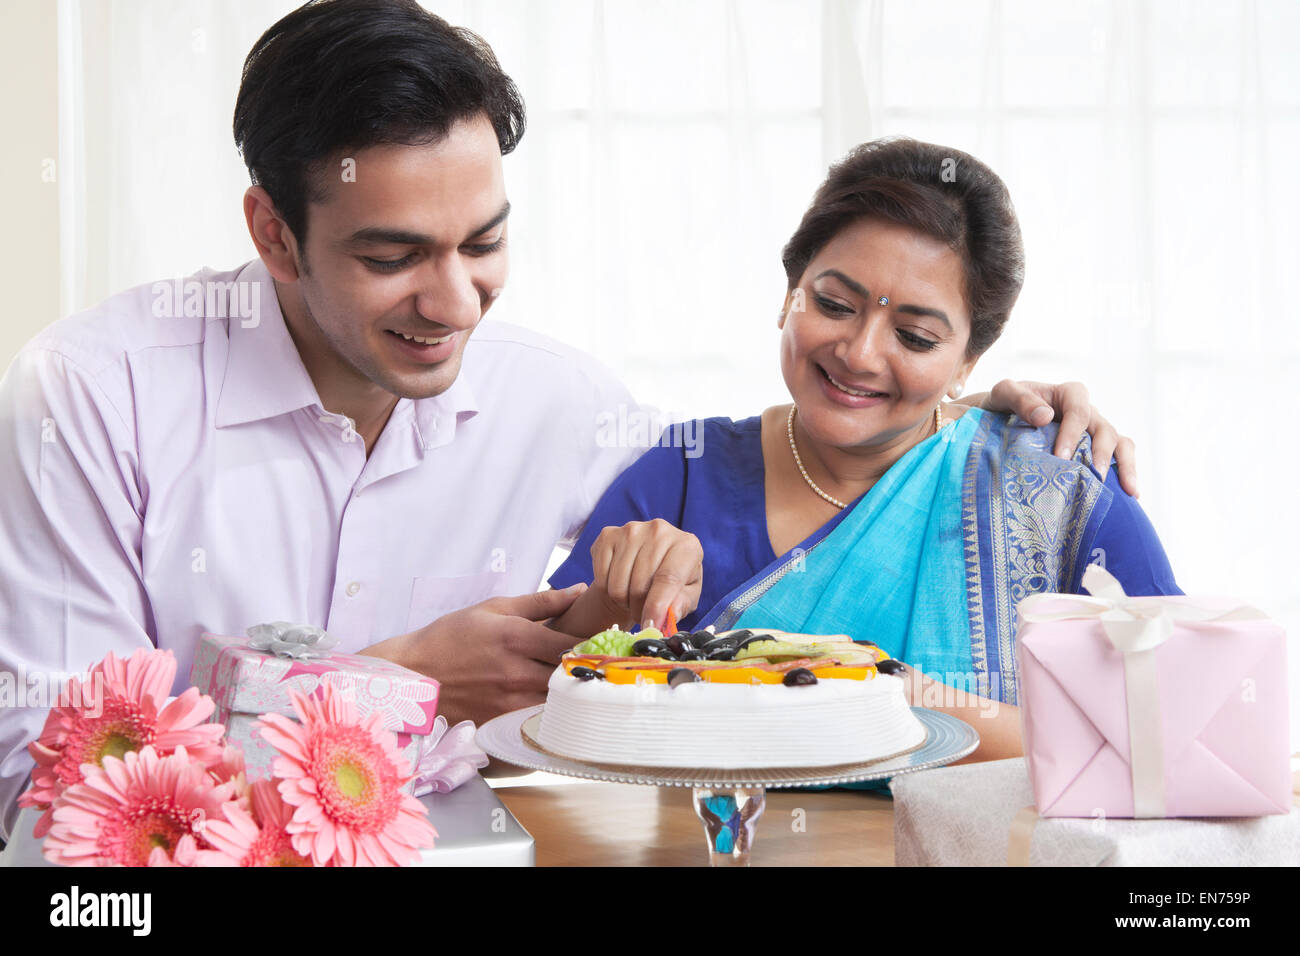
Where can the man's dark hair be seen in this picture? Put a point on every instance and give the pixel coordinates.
(336, 76)
(938, 191)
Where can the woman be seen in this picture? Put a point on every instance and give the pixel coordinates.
(870, 506)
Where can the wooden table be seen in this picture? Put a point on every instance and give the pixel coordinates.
(615, 824)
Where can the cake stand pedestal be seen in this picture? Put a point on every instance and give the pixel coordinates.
(728, 802)
(730, 816)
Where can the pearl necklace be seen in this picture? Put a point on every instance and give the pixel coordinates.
(789, 431)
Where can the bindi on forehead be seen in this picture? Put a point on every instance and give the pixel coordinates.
(889, 263)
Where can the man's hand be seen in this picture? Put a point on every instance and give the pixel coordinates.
(1039, 403)
(646, 567)
(490, 658)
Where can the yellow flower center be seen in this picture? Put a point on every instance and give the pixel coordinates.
(350, 780)
(116, 745)
(153, 828)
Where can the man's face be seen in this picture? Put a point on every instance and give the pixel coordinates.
(414, 247)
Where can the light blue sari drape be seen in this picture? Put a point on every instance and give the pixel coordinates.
(931, 562)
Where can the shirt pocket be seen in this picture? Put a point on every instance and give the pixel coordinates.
(431, 598)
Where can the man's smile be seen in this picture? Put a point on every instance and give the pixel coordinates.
(423, 340)
(429, 351)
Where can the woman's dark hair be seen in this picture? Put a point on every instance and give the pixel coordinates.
(941, 192)
(336, 76)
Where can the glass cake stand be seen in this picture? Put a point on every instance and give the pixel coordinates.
(728, 802)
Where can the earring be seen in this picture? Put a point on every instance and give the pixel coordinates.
(955, 391)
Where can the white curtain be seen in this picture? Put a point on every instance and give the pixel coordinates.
(672, 147)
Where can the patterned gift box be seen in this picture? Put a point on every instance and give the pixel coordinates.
(245, 683)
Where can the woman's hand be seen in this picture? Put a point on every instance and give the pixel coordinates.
(1039, 403)
(644, 568)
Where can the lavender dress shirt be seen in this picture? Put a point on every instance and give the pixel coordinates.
(163, 476)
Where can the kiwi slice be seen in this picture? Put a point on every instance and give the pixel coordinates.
(848, 653)
(773, 651)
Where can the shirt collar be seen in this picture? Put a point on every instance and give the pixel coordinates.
(265, 376)
(437, 418)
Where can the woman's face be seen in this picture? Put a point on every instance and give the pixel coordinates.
(866, 375)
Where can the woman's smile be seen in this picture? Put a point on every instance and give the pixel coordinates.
(837, 391)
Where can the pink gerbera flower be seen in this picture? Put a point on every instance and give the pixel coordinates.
(230, 768)
(121, 707)
(260, 838)
(343, 775)
(139, 810)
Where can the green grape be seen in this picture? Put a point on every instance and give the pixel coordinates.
(611, 643)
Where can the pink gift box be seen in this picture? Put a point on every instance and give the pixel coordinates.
(1209, 735)
(245, 683)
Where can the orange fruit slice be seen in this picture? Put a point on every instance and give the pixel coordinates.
(628, 675)
(742, 675)
(844, 673)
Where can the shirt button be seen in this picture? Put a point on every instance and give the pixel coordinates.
(353, 588)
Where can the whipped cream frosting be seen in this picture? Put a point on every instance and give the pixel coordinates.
(728, 726)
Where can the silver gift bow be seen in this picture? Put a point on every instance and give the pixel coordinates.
(298, 641)
(1135, 626)
(451, 759)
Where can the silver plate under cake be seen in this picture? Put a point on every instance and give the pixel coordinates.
(947, 739)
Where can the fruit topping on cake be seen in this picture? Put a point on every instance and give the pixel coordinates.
(731, 657)
(612, 643)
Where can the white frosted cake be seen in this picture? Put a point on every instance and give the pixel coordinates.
(776, 700)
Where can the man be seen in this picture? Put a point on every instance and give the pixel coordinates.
(314, 437)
